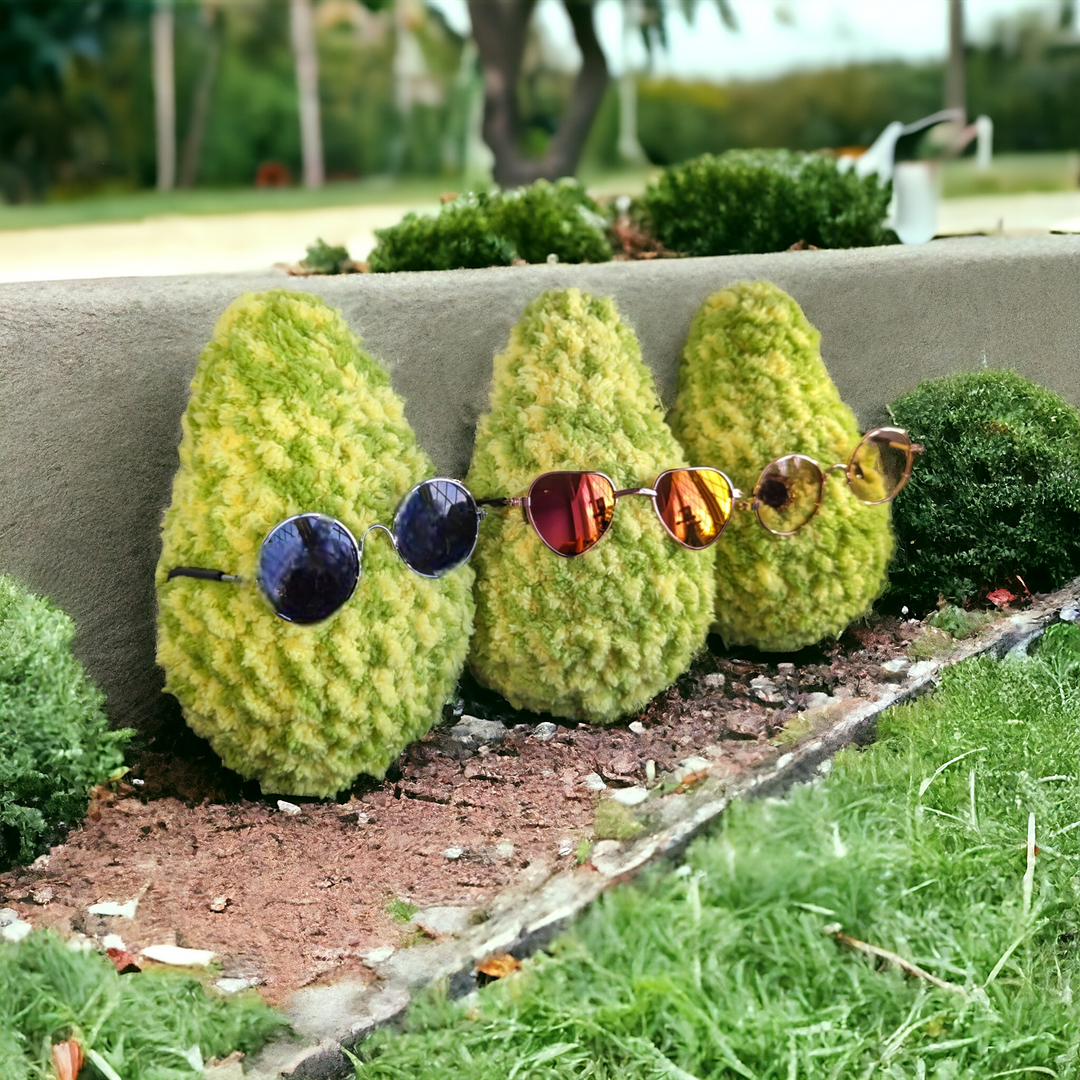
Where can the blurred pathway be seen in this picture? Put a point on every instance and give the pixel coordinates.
(1019, 214)
(199, 244)
(194, 244)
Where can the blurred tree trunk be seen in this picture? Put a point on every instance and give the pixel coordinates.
(500, 27)
(164, 93)
(955, 69)
(191, 155)
(302, 27)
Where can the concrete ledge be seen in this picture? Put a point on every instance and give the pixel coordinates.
(94, 376)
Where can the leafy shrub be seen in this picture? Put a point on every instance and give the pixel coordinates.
(553, 219)
(324, 258)
(493, 229)
(145, 1026)
(54, 739)
(747, 201)
(996, 492)
(463, 234)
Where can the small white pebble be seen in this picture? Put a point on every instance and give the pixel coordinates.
(594, 782)
(650, 771)
(504, 851)
(545, 731)
(178, 957)
(637, 727)
(453, 853)
(374, 957)
(630, 796)
(288, 808)
(553, 259)
(566, 847)
(139, 783)
(15, 931)
(714, 680)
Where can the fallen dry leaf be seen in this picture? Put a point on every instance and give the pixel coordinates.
(67, 1059)
(1001, 597)
(691, 779)
(126, 963)
(498, 967)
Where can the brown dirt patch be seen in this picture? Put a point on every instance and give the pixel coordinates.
(288, 899)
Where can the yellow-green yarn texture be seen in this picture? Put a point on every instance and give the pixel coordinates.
(598, 635)
(753, 387)
(288, 414)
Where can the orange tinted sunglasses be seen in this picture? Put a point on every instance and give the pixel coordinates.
(572, 511)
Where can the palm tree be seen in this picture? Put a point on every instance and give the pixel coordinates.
(302, 29)
(164, 93)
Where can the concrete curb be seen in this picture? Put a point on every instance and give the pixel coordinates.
(94, 376)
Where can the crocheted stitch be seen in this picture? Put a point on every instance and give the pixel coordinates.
(753, 387)
(598, 635)
(288, 414)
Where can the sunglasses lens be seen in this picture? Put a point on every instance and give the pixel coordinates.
(436, 527)
(694, 505)
(308, 567)
(788, 492)
(571, 510)
(879, 466)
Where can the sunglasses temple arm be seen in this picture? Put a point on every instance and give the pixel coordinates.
(200, 572)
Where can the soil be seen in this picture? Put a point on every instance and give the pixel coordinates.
(287, 896)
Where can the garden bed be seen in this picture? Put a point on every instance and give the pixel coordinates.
(471, 822)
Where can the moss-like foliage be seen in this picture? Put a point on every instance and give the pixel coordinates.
(765, 200)
(54, 739)
(752, 387)
(996, 492)
(288, 414)
(494, 229)
(597, 635)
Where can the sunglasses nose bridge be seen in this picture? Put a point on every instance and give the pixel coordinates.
(651, 492)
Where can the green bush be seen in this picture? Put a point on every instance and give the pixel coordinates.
(156, 1025)
(747, 201)
(493, 229)
(996, 492)
(54, 739)
(461, 235)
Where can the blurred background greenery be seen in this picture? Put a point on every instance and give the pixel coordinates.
(77, 100)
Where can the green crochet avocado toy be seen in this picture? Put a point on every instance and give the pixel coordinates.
(753, 387)
(597, 635)
(289, 415)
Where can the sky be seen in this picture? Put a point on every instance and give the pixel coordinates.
(777, 36)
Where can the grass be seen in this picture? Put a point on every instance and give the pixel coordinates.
(375, 190)
(1012, 174)
(953, 841)
(137, 205)
(149, 1026)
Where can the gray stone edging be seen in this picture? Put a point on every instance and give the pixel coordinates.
(527, 918)
(94, 376)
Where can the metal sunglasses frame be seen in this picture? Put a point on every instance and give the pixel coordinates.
(358, 545)
(525, 502)
(912, 448)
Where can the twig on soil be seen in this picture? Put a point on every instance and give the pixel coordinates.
(906, 966)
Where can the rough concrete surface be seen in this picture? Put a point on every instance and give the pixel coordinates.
(94, 376)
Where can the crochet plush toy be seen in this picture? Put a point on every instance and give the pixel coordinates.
(288, 415)
(597, 635)
(753, 387)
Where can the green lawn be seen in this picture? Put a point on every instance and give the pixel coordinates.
(1012, 174)
(730, 966)
(375, 190)
(157, 1025)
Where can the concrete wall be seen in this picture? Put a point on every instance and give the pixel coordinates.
(94, 376)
